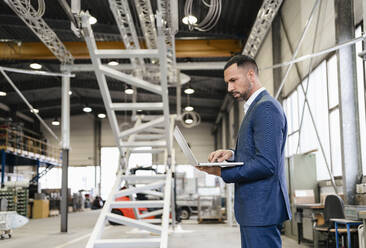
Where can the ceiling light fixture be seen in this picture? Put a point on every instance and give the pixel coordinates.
(35, 66)
(189, 108)
(188, 120)
(129, 91)
(189, 91)
(189, 20)
(101, 116)
(113, 63)
(92, 20)
(55, 122)
(87, 109)
(139, 110)
(35, 111)
(2, 93)
(70, 92)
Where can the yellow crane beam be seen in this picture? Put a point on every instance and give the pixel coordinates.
(184, 49)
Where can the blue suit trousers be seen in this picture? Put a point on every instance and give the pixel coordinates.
(260, 236)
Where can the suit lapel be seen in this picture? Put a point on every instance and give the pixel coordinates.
(264, 92)
(248, 112)
(252, 105)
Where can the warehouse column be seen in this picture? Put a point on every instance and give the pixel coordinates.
(65, 129)
(226, 118)
(350, 142)
(237, 121)
(276, 54)
(229, 186)
(97, 151)
(3, 161)
(38, 164)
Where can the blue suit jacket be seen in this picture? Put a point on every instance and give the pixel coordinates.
(261, 196)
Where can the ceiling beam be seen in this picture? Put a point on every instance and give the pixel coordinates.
(90, 100)
(206, 113)
(184, 48)
(25, 83)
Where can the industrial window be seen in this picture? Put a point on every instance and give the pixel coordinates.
(302, 136)
(323, 99)
(334, 124)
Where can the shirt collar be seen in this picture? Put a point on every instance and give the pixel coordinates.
(252, 98)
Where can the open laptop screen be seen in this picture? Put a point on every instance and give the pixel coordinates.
(184, 146)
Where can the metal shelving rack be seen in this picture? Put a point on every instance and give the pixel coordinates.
(17, 199)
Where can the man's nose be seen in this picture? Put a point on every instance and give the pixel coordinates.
(230, 88)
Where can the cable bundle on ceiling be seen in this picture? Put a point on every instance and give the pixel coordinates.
(26, 8)
(211, 19)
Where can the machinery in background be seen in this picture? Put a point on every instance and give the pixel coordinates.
(209, 204)
(128, 212)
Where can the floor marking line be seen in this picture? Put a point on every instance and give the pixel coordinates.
(78, 239)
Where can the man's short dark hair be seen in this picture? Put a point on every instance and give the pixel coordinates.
(242, 60)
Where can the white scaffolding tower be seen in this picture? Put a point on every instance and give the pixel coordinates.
(155, 133)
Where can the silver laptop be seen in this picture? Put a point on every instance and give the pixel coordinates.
(190, 156)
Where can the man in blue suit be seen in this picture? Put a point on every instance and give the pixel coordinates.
(261, 197)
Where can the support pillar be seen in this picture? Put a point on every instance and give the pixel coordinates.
(348, 101)
(223, 132)
(97, 150)
(38, 164)
(228, 129)
(276, 54)
(3, 161)
(237, 121)
(65, 130)
(230, 186)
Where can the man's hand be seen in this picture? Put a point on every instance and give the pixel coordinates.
(213, 170)
(216, 156)
(219, 155)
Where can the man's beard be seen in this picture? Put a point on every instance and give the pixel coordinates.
(243, 96)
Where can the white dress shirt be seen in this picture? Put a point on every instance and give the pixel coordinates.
(252, 98)
(247, 106)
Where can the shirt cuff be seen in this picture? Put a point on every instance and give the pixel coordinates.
(232, 156)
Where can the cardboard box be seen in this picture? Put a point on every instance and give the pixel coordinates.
(304, 196)
(41, 209)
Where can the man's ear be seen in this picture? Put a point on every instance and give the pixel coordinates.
(251, 74)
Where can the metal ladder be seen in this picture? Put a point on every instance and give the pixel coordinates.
(152, 126)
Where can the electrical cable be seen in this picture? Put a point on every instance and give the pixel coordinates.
(211, 18)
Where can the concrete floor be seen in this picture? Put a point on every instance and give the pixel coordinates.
(46, 233)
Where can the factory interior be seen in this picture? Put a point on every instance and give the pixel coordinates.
(109, 110)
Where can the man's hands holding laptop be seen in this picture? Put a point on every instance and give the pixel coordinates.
(216, 156)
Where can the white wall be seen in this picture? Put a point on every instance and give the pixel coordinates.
(295, 15)
(81, 139)
(107, 134)
(264, 59)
